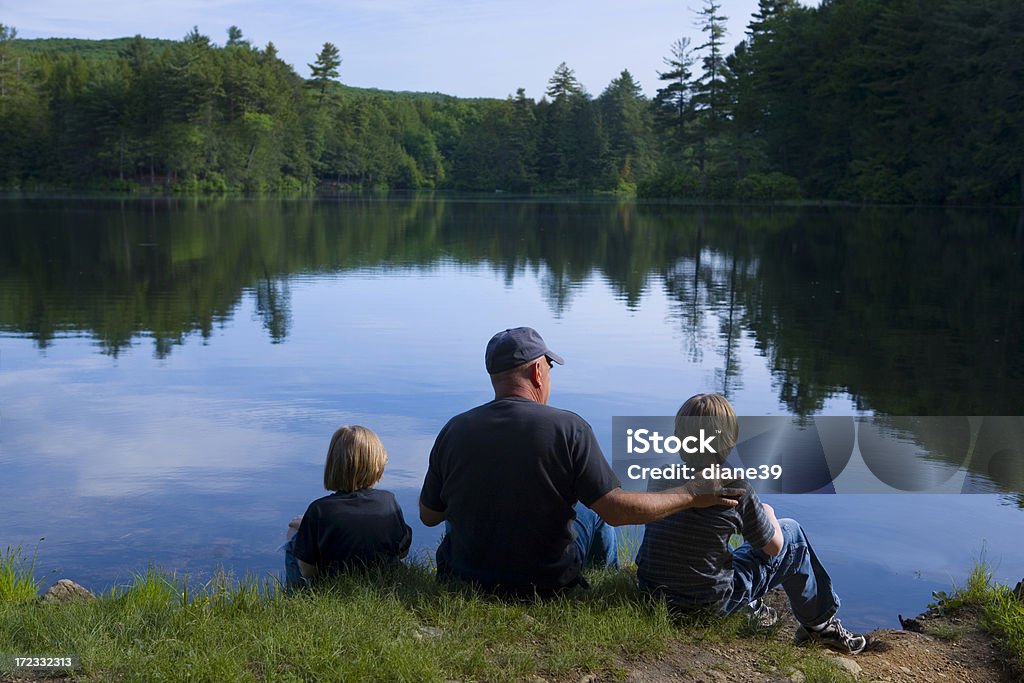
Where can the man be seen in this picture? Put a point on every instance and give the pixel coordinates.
(506, 477)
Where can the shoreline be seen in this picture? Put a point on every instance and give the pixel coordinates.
(399, 624)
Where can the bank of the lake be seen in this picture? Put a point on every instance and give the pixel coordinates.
(402, 625)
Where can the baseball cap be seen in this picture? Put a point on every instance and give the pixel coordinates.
(516, 346)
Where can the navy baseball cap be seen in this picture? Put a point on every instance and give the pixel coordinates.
(516, 346)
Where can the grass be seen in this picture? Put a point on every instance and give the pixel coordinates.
(387, 625)
(1002, 611)
(396, 624)
(17, 577)
(947, 631)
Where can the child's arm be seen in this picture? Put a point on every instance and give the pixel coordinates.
(775, 545)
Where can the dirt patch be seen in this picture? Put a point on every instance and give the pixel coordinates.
(943, 648)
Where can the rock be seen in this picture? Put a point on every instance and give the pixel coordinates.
(910, 624)
(427, 632)
(589, 678)
(797, 677)
(67, 590)
(847, 664)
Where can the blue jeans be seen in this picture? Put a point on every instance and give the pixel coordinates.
(292, 576)
(595, 540)
(796, 569)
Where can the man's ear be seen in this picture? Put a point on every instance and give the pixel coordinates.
(536, 374)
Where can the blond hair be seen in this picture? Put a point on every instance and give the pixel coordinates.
(714, 414)
(355, 459)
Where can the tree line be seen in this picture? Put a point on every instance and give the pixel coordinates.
(900, 101)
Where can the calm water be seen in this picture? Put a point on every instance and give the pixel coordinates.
(171, 371)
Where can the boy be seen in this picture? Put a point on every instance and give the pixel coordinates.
(686, 559)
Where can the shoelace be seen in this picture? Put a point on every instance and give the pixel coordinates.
(841, 631)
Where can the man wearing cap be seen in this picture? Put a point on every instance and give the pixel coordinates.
(508, 478)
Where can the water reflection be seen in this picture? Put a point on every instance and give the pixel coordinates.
(909, 312)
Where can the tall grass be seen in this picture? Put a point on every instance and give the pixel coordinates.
(17, 577)
(628, 539)
(1002, 610)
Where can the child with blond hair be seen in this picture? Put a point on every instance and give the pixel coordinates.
(355, 526)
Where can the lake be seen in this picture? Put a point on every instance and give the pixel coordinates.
(171, 370)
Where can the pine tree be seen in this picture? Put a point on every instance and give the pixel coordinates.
(325, 69)
(673, 103)
(710, 90)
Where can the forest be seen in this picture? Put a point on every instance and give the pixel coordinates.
(874, 101)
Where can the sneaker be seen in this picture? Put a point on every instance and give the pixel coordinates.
(833, 635)
(761, 615)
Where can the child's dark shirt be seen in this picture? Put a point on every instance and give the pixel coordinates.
(345, 530)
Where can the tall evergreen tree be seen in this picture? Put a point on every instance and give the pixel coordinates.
(710, 91)
(557, 135)
(325, 69)
(673, 102)
(563, 84)
(235, 38)
(625, 117)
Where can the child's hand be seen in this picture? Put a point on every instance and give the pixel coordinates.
(293, 526)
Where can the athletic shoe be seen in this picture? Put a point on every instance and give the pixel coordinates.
(833, 635)
(761, 615)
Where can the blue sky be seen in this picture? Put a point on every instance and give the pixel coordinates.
(467, 48)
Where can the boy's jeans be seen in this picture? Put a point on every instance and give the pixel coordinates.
(796, 569)
(292, 576)
(595, 543)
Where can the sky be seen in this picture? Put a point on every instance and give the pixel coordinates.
(466, 48)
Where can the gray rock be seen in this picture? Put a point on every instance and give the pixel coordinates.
(67, 590)
(847, 665)
(427, 632)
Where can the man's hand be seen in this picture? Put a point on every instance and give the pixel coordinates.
(293, 526)
(708, 494)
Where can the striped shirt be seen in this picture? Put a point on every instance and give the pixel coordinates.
(686, 556)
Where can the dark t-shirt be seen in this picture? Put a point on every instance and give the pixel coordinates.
(686, 556)
(507, 475)
(344, 530)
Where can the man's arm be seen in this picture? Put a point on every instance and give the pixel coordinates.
(618, 507)
(430, 517)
